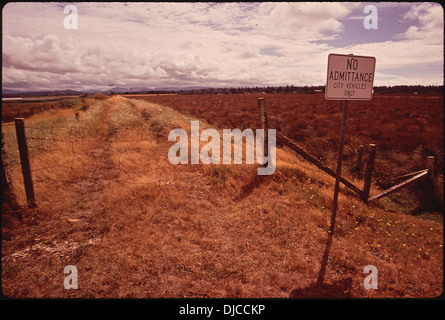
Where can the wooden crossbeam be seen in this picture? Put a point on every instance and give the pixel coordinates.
(315, 161)
(409, 174)
(400, 185)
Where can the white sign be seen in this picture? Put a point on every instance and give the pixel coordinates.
(349, 77)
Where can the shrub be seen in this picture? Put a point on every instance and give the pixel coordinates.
(146, 114)
(158, 128)
(100, 96)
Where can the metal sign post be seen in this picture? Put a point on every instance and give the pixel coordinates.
(339, 164)
(349, 77)
(335, 200)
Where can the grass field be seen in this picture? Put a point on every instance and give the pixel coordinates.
(405, 127)
(24, 108)
(135, 226)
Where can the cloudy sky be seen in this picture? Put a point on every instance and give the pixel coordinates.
(214, 44)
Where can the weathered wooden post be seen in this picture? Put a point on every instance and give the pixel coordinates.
(263, 124)
(8, 191)
(359, 162)
(430, 167)
(24, 160)
(368, 173)
(429, 185)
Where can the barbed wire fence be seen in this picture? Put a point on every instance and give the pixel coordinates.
(76, 158)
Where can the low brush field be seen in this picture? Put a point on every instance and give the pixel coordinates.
(24, 108)
(111, 204)
(405, 127)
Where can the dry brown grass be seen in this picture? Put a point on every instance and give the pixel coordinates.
(136, 226)
(406, 128)
(28, 107)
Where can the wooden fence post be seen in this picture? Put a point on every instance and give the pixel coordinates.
(359, 162)
(8, 191)
(430, 167)
(24, 160)
(263, 124)
(430, 201)
(368, 173)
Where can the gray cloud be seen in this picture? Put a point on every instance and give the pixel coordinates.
(219, 44)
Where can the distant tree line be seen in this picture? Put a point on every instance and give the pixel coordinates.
(298, 89)
(409, 89)
(247, 90)
(432, 89)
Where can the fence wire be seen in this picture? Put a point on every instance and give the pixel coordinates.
(82, 159)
